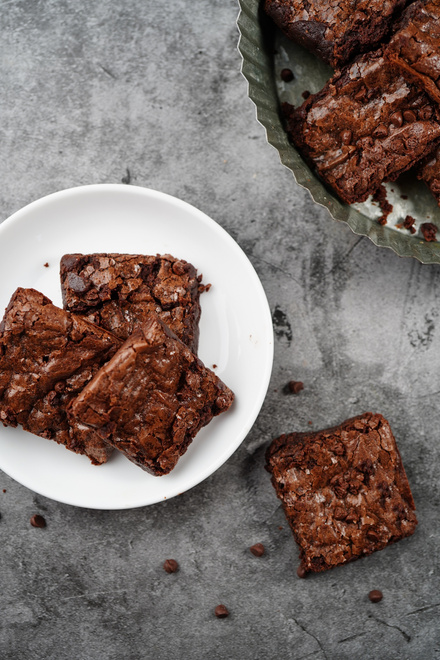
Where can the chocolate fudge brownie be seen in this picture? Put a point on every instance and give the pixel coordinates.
(344, 490)
(152, 398)
(47, 356)
(366, 126)
(415, 45)
(335, 30)
(430, 173)
(118, 291)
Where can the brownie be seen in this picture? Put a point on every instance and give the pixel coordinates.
(118, 291)
(152, 398)
(429, 172)
(335, 30)
(47, 356)
(415, 45)
(344, 490)
(366, 126)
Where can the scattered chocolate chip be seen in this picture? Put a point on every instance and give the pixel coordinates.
(46, 265)
(287, 75)
(170, 565)
(295, 386)
(301, 571)
(257, 549)
(221, 612)
(397, 119)
(375, 596)
(4, 490)
(305, 94)
(346, 136)
(429, 231)
(37, 521)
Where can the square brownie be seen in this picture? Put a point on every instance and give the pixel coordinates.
(152, 398)
(47, 356)
(335, 30)
(415, 45)
(118, 291)
(369, 124)
(344, 490)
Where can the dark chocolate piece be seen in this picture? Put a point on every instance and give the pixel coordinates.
(335, 30)
(47, 356)
(415, 45)
(118, 291)
(170, 565)
(221, 612)
(344, 490)
(152, 398)
(37, 521)
(257, 550)
(375, 596)
(367, 100)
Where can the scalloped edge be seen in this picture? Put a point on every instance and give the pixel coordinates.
(257, 71)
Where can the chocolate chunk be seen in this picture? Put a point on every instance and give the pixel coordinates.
(375, 596)
(397, 119)
(257, 549)
(37, 520)
(429, 231)
(170, 565)
(221, 612)
(287, 75)
(295, 386)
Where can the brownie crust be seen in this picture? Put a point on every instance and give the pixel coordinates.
(152, 398)
(344, 490)
(118, 291)
(47, 356)
(335, 30)
(415, 45)
(369, 124)
(429, 172)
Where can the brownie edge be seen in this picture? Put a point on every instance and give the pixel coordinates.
(344, 490)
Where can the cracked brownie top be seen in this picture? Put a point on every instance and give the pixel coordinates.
(344, 490)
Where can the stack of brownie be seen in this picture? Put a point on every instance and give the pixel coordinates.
(379, 115)
(117, 367)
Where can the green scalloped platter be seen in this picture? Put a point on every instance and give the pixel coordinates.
(265, 52)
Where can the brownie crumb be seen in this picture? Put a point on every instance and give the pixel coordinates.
(301, 572)
(257, 549)
(221, 612)
(46, 265)
(305, 94)
(37, 521)
(171, 565)
(380, 196)
(408, 222)
(295, 386)
(287, 75)
(404, 196)
(429, 231)
(4, 490)
(214, 366)
(375, 596)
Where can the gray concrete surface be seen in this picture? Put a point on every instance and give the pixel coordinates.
(90, 90)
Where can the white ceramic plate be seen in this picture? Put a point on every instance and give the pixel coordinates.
(235, 331)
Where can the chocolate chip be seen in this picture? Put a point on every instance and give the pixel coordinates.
(375, 596)
(287, 75)
(409, 116)
(295, 386)
(221, 612)
(37, 521)
(397, 119)
(346, 136)
(305, 94)
(301, 571)
(257, 549)
(381, 131)
(171, 565)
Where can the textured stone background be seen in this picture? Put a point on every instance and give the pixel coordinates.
(90, 90)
